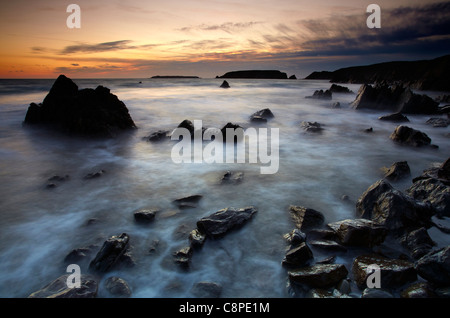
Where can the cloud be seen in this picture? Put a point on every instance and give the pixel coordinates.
(228, 27)
(95, 48)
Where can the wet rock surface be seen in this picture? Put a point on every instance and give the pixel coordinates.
(110, 254)
(59, 288)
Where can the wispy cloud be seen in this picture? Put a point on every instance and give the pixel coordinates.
(228, 27)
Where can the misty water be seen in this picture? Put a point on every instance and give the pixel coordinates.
(40, 226)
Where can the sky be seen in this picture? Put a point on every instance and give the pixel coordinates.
(144, 38)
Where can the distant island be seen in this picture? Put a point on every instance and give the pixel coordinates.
(258, 74)
(420, 75)
(174, 76)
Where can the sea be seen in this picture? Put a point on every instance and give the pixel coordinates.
(41, 225)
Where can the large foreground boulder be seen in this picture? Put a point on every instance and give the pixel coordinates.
(59, 289)
(393, 209)
(394, 98)
(87, 112)
(221, 222)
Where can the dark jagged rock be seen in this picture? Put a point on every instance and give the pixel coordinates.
(295, 237)
(232, 177)
(86, 112)
(159, 135)
(418, 290)
(188, 202)
(293, 77)
(262, 115)
(110, 253)
(433, 187)
(359, 232)
(206, 290)
(336, 105)
(225, 84)
(393, 272)
(418, 242)
(298, 255)
(409, 136)
(196, 238)
(59, 289)
(94, 175)
(438, 122)
(187, 124)
(145, 216)
(319, 275)
(421, 75)
(221, 222)
(321, 94)
(396, 117)
(393, 209)
(443, 99)
(306, 218)
(117, 287)
(328, 245)
(339, 89)
(394, 98)
(398, 170)
(435, 267)
(183, 256)
(311, 126)
(256, 74)
(230, 126)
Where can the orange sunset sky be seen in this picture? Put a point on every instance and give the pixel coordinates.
(126, 39)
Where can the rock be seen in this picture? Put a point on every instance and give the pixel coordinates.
(321, 94)
(59, 289)
(306, 218)
(336, 105)
(339, 89)
(221, 222)
(94, 175)
(442, 292)
(293, 77)
(80, 254)
(262, 115)
(225, 85)
(409, 136)
(118, 287)
(433, 188)
(57, 178)
(311, 126)
(418, 242)
(438, 122)
(396, 117)
(232, 177)
(298, 256)
(397, 171)
(435, 266)
(418, 290)
(327, 260)
(145, 216)
(393, 272)
(188, 202)
(376, 293)
(295, 237)
(368, 130)
(86, 112)
(233, 127)
(157, 136)
(110, 253)
(393, 209)
(395, 98)
(187, 124)
(319, 275)
(359, 232)
(322, 293)
(328, 245)
(206, 290)
(183, 256)
(196, 238)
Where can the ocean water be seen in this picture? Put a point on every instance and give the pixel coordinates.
(40, 226)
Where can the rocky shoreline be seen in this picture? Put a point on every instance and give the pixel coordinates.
(389, 230)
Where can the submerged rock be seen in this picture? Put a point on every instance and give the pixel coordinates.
(232, 177)
(221, 222)
(145, 216)
(398, 170)
(409, 136)
(396, 117)
(87, 112)
(321, 94)
(159, 135)
(311, 126)
(393, 272)
(183, 256)
(319, 275)
(206, 290)
(262, 115)
(95, 175)
(188, 202)
(59, 289)
(117, 287)
(110, 253)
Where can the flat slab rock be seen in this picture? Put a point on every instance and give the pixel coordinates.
(319, 275)
(359, 232)
(221, 222)
(58, 288)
